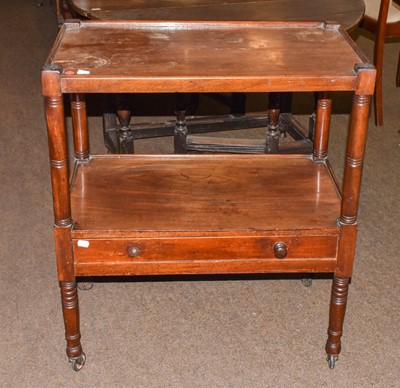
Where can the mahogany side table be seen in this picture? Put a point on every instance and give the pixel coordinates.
(253, 213)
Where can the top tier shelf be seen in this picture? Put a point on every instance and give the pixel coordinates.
(159, 57)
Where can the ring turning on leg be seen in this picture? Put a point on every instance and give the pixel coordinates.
(69, 298)
(337, 310)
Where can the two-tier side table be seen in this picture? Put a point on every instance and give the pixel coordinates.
(118, 215)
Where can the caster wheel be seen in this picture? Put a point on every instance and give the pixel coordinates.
(307, 282)
(331, 360)
(85, 286)
(78, 363)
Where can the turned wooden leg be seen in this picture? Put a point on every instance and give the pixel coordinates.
(125, 135)
(70, 307)
(273, 133)
(180, 133)
(321, 127)
(281, 101)
(61, 203)
(80, 126)
(348, 214)
(337, 311)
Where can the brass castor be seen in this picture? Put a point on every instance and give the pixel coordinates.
(78, 362)
(85, 286)
(307, 282)
(331, 360)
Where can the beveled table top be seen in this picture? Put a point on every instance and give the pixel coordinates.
(348, 13)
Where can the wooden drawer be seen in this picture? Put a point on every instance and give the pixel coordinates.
(225, 248)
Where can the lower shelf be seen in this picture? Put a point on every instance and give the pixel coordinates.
(197, 194)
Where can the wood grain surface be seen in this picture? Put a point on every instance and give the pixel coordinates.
(346, 12)
(199, 193)
(205, 57)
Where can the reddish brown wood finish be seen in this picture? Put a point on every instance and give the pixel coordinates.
(58, 161)
(340, 287)
(79, 124)
(175, 190)
(177, 67)
(62, 213)
(197, 214)
(204, 255)
(201, 248)
(354, 159)
(322, 125)
(69, 299)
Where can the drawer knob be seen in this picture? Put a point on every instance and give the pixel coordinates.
(280, 250)
(133, 250)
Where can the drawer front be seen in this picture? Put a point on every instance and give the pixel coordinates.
(204, 248)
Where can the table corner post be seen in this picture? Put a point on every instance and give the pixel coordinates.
(57, 139)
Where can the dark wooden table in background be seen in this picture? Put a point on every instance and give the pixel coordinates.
(348, 13)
